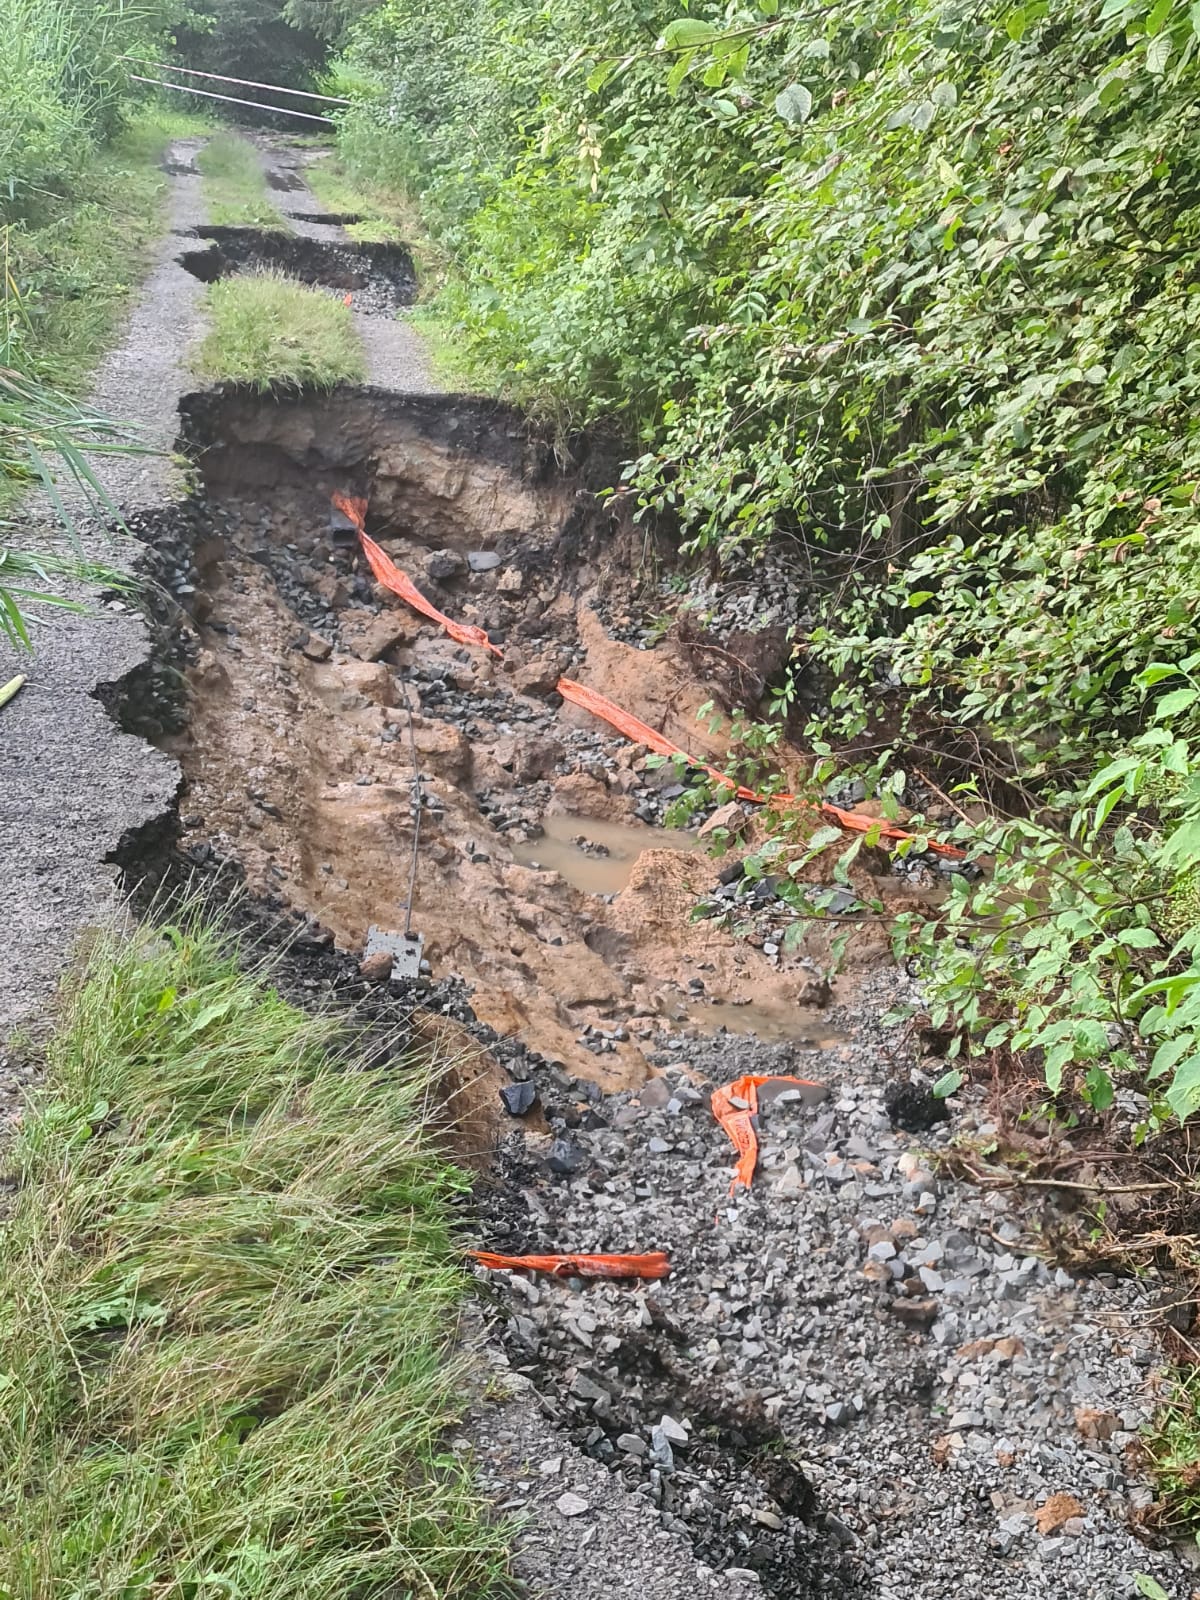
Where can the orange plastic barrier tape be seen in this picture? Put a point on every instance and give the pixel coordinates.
(736, 1120)
(640, 733)
(654, 1265)
(390, 576)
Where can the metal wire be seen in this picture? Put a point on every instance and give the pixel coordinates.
(246, 83)
(416, 810)
(186, 88)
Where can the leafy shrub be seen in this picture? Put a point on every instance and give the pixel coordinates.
(912, 287)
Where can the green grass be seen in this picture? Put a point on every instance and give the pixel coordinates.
(1173, 1449)
(234, 187)
(387, 217)
(75, 265)
(268, 329)
(228, 1292)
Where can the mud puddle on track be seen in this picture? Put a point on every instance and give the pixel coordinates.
(595, 856)
(296, 745)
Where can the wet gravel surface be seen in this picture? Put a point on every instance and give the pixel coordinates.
(862, 1378)
(70, 785)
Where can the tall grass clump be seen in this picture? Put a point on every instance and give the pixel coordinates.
(228, 1292)
(268, 329)
(61, 90)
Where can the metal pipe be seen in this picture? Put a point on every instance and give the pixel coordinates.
(281, 111)
(246, 83)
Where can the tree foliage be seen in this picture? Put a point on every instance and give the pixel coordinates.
(912, 283)
(265, 40)
(912, 286)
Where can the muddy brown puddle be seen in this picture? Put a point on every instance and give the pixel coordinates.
(597, 857)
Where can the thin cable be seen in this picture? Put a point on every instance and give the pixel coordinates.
(246, 83)
(416, 810)
(276, 111)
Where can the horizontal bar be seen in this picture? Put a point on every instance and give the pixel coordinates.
(279, 111)
(246, 83)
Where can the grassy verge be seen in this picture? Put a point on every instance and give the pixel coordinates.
(387, 218)
(227, 1292)
(235, 190)
(268, 329)
(70, 270)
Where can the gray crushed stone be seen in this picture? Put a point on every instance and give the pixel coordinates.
(70, 783)
(580, 1532)
(888, 1328)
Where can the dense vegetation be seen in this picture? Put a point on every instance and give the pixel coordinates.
(911, 286)
(228, 1292)
(80, 198)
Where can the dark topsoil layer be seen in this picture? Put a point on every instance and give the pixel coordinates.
(379, 277)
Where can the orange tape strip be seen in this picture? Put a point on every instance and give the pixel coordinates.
(737, 1123)
(640, 733)
(391, 577)
(654, 1265)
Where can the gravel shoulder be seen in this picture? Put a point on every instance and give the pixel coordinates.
(70, 783)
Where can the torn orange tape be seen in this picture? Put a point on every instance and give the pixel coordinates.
(654, 1265)
(642, 733)
(736, 1120)
(390, 576)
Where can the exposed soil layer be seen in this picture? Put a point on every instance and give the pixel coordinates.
(327, 219)
(803, 1400)
(297, 751)
(378, 277)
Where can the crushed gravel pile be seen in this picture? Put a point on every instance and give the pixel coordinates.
(860, 1378)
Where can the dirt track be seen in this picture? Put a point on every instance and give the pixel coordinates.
(911, 1463)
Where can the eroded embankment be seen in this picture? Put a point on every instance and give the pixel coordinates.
(849, 1370)
(296, 751)
(377, 278)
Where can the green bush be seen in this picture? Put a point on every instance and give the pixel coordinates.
(911, 285)
(913, 288)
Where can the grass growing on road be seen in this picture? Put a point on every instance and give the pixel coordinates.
(268, 329)
(386, 218)
(234, 187)
(227, 1292)
(1173, 1448)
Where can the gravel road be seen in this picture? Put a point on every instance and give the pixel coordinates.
(70, 783)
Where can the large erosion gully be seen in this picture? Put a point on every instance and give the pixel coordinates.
(587, 1013)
